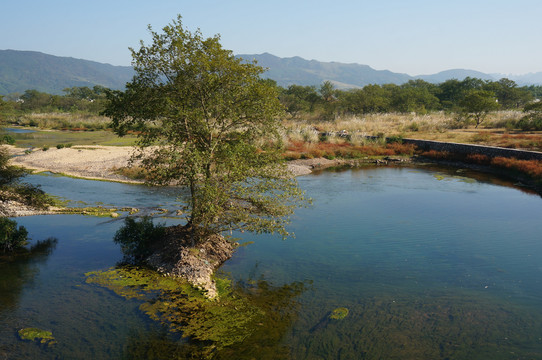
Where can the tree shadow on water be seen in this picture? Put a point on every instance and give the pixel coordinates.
(19, 270)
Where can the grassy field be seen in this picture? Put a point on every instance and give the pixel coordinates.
(52, 138)
(496, 130)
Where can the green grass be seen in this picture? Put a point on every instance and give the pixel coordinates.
(52, 138)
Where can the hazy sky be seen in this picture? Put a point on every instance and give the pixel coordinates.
(409, 36)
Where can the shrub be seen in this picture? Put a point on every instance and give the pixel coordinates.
(477, 159)
(7, 139)
(11, 237)
(60, 146)
(394, 139)
(438, 155)
(533, 168)
(401, 149)
(136, 238)
(414, 127)
(32, 195)
(530, 122)
(9, 174)
(291, 155)
(481, 137)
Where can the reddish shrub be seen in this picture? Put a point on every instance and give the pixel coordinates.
(532, 168)
(434, 154)
(401, 149)
(477, 159)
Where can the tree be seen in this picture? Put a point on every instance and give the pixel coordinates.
(533, 118)
(508, 93)
(208, 123)
(328, 95)
(297, 98)
(478, 103)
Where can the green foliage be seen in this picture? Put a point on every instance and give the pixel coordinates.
(533, 118)
(478, 103)
(31, 195)
(394, 139)
(11, 188)
(416, 96)
(9, 174)
(136, 238)
(7, 139)
(11, 237)
(217, 124)
(297, 98)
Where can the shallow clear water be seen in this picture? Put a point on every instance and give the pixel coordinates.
(429, 263)
(18, 130)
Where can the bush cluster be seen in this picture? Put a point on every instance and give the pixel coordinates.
(11, 237)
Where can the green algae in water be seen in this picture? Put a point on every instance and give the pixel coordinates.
(34, 334)
(448, 177)
(214, 327)
(338, 313)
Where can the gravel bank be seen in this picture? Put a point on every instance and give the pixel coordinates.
(100, 162)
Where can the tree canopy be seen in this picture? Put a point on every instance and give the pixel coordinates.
(477, 103)
(208, 123)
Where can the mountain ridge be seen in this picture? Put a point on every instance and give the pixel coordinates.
(25, 70)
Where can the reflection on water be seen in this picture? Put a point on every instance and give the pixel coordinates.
(19, 269)
(429, 263)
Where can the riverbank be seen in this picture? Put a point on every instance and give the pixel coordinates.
(102, 162)
(94, 162)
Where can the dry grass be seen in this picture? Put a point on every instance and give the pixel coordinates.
(496, 130)
(63, 121)
(330, 150)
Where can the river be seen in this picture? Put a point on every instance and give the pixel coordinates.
(429, 263)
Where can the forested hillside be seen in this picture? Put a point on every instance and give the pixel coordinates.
(24, 70)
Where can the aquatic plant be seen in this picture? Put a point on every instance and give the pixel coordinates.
(213, 326)
(338, 313)
(38, 335)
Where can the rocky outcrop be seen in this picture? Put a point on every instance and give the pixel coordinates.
(176, 257)
(11, 207)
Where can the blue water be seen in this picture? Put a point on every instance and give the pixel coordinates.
(18, 130)
(431, 264)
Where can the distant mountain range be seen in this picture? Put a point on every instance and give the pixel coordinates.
(23, 70)
(295, 70)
